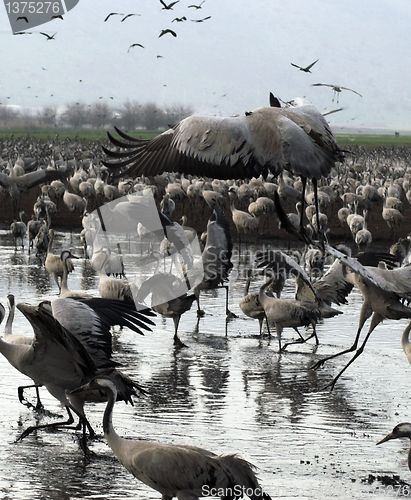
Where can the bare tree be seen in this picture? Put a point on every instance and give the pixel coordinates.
(75, 115)
(99, 115)
(48, 116)
(153, 117)
(130, 115)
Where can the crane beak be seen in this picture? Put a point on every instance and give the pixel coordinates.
(388, 437)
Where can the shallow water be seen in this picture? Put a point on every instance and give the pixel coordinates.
(228, 393)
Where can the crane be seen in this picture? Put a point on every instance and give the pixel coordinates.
(181, 471)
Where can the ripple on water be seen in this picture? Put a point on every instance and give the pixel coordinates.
(227, 393)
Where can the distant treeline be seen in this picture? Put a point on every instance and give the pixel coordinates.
(131, 115)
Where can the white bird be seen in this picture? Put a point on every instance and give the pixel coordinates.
(174, 470)
(296, 138)
(402, 430)
(54, 264)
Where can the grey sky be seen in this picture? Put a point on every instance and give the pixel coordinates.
(241, 53)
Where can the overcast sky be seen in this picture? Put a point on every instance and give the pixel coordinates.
(225, 65)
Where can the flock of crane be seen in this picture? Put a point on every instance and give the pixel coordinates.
(239, 170)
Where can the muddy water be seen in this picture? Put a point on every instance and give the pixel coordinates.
(231, 393)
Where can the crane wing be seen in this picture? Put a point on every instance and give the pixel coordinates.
(65, 356)
(396, 281)
(212, 146)
(34, 178)
(351, 90)
(312, 64)
(279, 262)
(91, 319)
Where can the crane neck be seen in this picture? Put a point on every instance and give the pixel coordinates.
(8, 328)
(405, 341)
(50, 245)
(262, 296)
(113, 439)
(63, 285)
(247, 286)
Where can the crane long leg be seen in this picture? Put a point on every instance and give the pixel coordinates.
(268, 326)
(227, 310)
(200, 312)
(375, 321)
(29, 430)
(23, 400)
(365, 313)
(177, 341)
(302, 340)
(304, 181)
(56, 425)
(317, 210)
(279, 331)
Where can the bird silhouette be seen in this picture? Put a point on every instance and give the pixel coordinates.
(165, 32)
(49, 37)
(337, 89)
(306, 69)
(200, 20)
(22, 18)
(135, 45)
(179, 19)
(129, 15)
(112, 14)
(59, 16)
(193, 6)
(168, 6)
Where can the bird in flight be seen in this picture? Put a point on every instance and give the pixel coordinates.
(23, 33)
(200, 20)
(135, 45)
(179, 19)
(196, 6)
(22, 18)
(159, 56)
(49, 37)
(337, 89)
(168, 6)
(112, 14)
(129, 15)
(164, 32)
(58, 16)
(332, 111)
(306, 69)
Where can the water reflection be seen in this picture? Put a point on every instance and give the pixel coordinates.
(227, 392)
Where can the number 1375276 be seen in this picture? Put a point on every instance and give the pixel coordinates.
(39, 7)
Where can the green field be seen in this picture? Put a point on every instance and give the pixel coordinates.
(93, 135)
(374, 140)
(75, 134)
